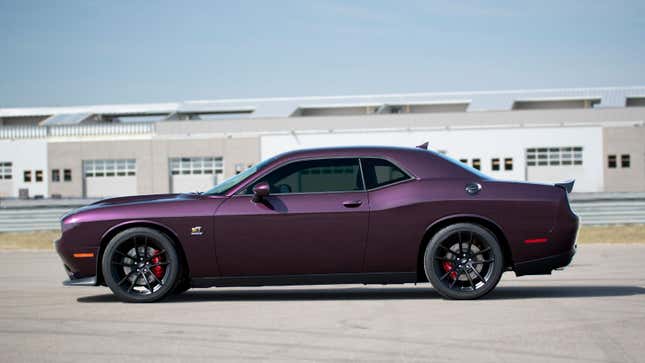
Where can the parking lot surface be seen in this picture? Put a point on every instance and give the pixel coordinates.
(592, 312)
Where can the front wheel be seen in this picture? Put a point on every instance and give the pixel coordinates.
(463, 261)
(140, 265)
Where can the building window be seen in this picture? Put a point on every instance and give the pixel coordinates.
(67, 175)
(197, 166)
(5, 170)
(611, 161)
(465, 161)
(624, 161)
(39, 176)
(554, 156)
(508, 164)
(55, 175)
(494, 165)
(477, 164)
(26, 176)
(108, 168)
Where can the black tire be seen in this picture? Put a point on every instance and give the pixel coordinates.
(183, 282)
(141, 265)
(182, 287)
(463, 261)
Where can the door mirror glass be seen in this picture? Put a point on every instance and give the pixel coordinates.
(260, 191)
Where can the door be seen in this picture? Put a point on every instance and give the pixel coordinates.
(314, 221)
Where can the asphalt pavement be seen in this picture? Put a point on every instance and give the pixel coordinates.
(594, 311)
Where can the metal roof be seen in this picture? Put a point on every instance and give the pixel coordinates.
(285, 106)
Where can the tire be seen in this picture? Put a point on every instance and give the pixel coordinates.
(183, 282)
(141, 265)
(463, 261)
(182, 287)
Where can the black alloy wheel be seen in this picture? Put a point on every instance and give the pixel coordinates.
(141, 265)
(463, 261)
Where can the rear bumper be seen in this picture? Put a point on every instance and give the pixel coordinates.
(544, 266)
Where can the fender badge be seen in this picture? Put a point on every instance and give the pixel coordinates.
(196, 231)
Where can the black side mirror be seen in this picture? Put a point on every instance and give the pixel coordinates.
(260, 191)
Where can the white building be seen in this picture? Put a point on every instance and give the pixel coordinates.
(594, 135)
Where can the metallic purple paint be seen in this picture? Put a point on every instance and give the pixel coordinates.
(317, 233)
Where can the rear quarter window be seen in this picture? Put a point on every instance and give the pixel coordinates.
(381, 172)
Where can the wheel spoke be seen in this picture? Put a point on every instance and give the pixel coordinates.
(122, 264)
(480, 277)
(470, 279)
(454, 280)
(470, 242)
(445, 275)
(482, 251)
(126, 277)
(156, 255)
(444, 259)
(133, 283)
(483, 261)
(461, 250)
(146, 280)
(123, 254)
(156, 279)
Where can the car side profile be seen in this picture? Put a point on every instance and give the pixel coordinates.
(368, 215)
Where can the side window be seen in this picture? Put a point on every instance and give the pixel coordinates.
(379, 172)
(314, 176)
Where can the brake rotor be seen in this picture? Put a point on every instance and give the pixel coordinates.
(132, 259)
(455, 254)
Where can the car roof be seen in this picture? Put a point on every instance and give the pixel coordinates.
(355, 151)
(420, 162)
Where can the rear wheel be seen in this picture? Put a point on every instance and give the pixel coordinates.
(141, 265)
(463, 261)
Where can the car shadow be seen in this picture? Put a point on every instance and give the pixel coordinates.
(370, 293)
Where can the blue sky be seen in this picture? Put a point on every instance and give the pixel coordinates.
(95, 52)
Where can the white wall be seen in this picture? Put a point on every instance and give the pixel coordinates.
(26, 155)
(112, 186)
(484, 144)
(194, 183)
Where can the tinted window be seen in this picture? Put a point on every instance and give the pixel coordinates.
(379, 172)
(313, 176)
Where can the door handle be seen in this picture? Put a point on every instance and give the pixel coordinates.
(352, 203)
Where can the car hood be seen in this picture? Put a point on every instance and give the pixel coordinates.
(151, 198)
(132, 200)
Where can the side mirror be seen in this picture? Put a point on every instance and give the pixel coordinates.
(260, 191)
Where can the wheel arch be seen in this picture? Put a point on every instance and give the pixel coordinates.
(439, 224)
(114, 230)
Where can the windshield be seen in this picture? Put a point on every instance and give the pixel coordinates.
(233, 181)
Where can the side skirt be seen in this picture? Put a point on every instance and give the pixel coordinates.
(311, 279)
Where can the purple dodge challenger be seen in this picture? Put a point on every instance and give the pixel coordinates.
(369, 215)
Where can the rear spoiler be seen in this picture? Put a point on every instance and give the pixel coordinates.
(567, 185)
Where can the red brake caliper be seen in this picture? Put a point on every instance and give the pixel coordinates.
(447, 266)
(156, 270)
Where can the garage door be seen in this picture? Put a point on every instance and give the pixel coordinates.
(110, 178)
(554, 164)
(192, 174)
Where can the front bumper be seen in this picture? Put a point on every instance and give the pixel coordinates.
(81, 271)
